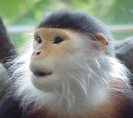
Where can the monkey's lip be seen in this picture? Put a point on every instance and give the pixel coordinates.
(41, 73)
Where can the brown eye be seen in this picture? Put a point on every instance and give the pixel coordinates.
(38, 39)
(57, 40)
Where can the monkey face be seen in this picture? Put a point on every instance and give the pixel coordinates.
(55, 52)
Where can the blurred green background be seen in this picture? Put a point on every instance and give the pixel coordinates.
(29, 13)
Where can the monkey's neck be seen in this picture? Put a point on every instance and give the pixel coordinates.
(109, 107)
(76, 104)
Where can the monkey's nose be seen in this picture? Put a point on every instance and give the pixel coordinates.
(36, 53)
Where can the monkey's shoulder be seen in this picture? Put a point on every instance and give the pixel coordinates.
(119, 104)
(10, 108)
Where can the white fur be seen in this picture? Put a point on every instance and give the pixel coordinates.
(79, 82)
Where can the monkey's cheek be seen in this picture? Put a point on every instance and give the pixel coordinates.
(46, 84)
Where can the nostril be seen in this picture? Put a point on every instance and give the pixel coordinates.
(39, 52)
(36, 53)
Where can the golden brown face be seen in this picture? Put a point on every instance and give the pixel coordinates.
(51, 43)
(51, 48)
(57, 52)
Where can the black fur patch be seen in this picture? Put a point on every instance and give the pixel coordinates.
(127, 107)
(10, 108)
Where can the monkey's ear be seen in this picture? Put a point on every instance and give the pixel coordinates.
(102, 39)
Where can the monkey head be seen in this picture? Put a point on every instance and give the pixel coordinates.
(64, 45)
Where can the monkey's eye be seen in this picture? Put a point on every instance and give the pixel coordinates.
(38, 39)
(57, 40)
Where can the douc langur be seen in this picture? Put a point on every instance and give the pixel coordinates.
(69, 72)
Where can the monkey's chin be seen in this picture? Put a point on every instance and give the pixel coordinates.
(44, 83)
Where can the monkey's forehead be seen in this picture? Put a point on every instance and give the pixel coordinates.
(50, 32)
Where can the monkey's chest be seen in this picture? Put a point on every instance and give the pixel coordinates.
(118, 105)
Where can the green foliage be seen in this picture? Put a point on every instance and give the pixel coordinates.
(35, 12)
(31, 11)
(12, 9)
(18, 40)
(93, 7)
(23, 11)
(121, 12)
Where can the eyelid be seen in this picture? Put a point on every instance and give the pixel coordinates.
(57, 40)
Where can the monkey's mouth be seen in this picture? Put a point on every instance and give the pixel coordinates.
(41, 73)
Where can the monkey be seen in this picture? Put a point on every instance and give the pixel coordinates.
(3, 80)
(69, 71)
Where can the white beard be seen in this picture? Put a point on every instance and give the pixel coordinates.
(81, 82)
